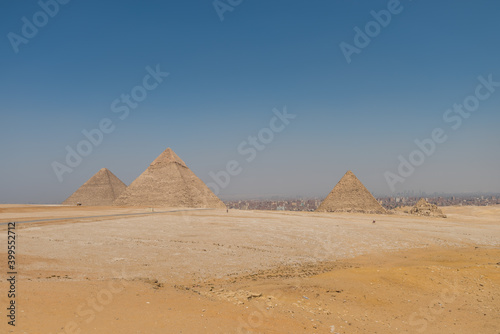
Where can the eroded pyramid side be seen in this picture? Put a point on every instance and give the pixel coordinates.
(350, 195)
(424, 208)
(103, 188)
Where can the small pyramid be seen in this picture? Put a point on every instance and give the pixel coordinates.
(350, 195)
(101, 189)
(424, 208)
(168, 182)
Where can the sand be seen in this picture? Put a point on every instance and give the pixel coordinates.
(208, 271)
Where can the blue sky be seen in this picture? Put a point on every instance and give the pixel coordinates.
(226, 77)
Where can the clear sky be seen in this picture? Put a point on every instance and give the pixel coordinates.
(227, 76)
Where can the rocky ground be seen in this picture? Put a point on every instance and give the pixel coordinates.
(209, 271)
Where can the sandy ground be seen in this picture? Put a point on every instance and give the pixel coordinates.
(208, 271)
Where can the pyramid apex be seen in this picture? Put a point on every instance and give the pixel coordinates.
(422, 201)
(168, 156)
(103, 171)
(349, 175)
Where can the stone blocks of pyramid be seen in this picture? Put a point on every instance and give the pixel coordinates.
(350, 195)
(101, 189)
(168, 182)
(424, 208)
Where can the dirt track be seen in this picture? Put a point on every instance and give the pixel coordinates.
(259, 272)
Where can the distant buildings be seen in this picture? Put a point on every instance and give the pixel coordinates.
(283, 205)
(311, 204)
(478, 200)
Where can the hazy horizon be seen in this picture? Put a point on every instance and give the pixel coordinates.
(269, 87)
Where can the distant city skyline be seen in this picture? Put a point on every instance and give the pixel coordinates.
(389, 203)
(415, 194)
(266, 99)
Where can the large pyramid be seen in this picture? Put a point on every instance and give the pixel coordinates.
(350, 195)
(101, 189)
(168, 182)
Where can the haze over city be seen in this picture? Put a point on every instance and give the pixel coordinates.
(231, 73)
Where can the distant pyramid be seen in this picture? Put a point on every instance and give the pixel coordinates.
(101, 189)
(168, 182)
(350, 195)
(424, 208)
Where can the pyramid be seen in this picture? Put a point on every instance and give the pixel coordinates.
(101, 189)
(350, 195)
(168, 182)
(424, 208)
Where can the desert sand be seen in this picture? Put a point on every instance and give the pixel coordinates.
(130, 270)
